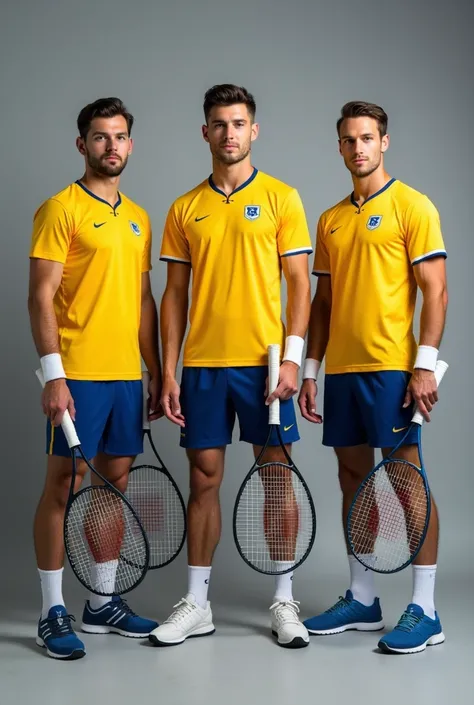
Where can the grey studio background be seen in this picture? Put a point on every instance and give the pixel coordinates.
(302, 60)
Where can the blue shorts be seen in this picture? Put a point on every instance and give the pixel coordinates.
(211, 397)
(108, 419)
(367, 408)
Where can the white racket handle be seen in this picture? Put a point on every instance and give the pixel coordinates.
(441, 368)
(273, 375)
(145, 382)
(67, 424)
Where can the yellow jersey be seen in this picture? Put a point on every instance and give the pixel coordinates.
(369, 252)
(104, 250)
(234, 246)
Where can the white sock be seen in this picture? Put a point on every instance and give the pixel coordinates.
(103, 579)
(362, 581)
(198, 583)
(52, 589)
(283, 583)
(423, 588)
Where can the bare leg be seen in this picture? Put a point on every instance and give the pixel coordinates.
(429, 551)
(280, 515)
(49, 518)
(355, 462)
(204, 514)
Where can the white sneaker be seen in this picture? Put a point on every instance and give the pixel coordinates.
(187, 620)
(286, 626)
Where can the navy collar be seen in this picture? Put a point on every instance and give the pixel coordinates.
(102, 200)
(374, 195)
(239, 188)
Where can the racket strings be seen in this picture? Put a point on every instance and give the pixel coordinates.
(101, 530)
(388, 520)
(158, 504)
(274, 518)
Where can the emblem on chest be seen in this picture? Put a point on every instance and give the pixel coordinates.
(374, 222)
(252, 212)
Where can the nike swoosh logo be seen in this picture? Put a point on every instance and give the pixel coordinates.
(196, 220)
(99, 225)
(287, 428)
(397, 430)
(334, 229)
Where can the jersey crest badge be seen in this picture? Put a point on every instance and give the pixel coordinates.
(135, 228)
(374, 222)
(252, 212)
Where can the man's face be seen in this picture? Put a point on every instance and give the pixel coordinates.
(107, 145)
(230, 133)
(361, 146)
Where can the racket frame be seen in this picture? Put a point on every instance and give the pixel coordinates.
(274, 424)
(416, 422)
(75, 447)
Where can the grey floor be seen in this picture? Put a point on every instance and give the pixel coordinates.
(240, 663)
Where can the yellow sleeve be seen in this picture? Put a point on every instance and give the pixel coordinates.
(52, 232)
(321, 257)
(146, 257)
(174, 245)
(424, 239)
(293, 235)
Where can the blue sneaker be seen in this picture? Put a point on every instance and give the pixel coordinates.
(56, 635)
(346, 614)
(116, 616)
(413, 633)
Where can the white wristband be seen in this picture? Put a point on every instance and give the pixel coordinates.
(52, 367)
(426, 357)
(294, 349)
(311, 368)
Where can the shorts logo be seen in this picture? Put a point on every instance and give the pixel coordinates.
(252, 212)
(135, 228)
(287, 428)
(374, 222)
(397, 430)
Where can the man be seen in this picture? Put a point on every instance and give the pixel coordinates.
(236, 231)
(373, 249)
(92, 313)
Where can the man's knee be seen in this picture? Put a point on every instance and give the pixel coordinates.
(206, 471)
(354, 463)
(58, 479)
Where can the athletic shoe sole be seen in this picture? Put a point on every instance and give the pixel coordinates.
(297, 643)
(99, 629)
(432, 641)
(73, 656)
(355, 626)
(206, 631)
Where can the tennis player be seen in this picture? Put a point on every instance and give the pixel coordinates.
(373, 250)
(92, 313)
(236, 231)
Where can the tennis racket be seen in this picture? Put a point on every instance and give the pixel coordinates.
(157, 500)
(274, 520)
(390, 513)
(104, 539)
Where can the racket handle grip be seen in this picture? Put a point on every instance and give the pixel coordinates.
(273, 375)
(439, 372)
(145, 382)
(67, 424)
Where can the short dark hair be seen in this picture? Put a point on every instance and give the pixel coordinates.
(102, 108)
(228, 94)
(359, 108)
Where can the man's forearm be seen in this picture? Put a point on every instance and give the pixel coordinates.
(318, 331)
(148, 336)
(44, 326)
(433, 317)
(174, 309)
(298, 308)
